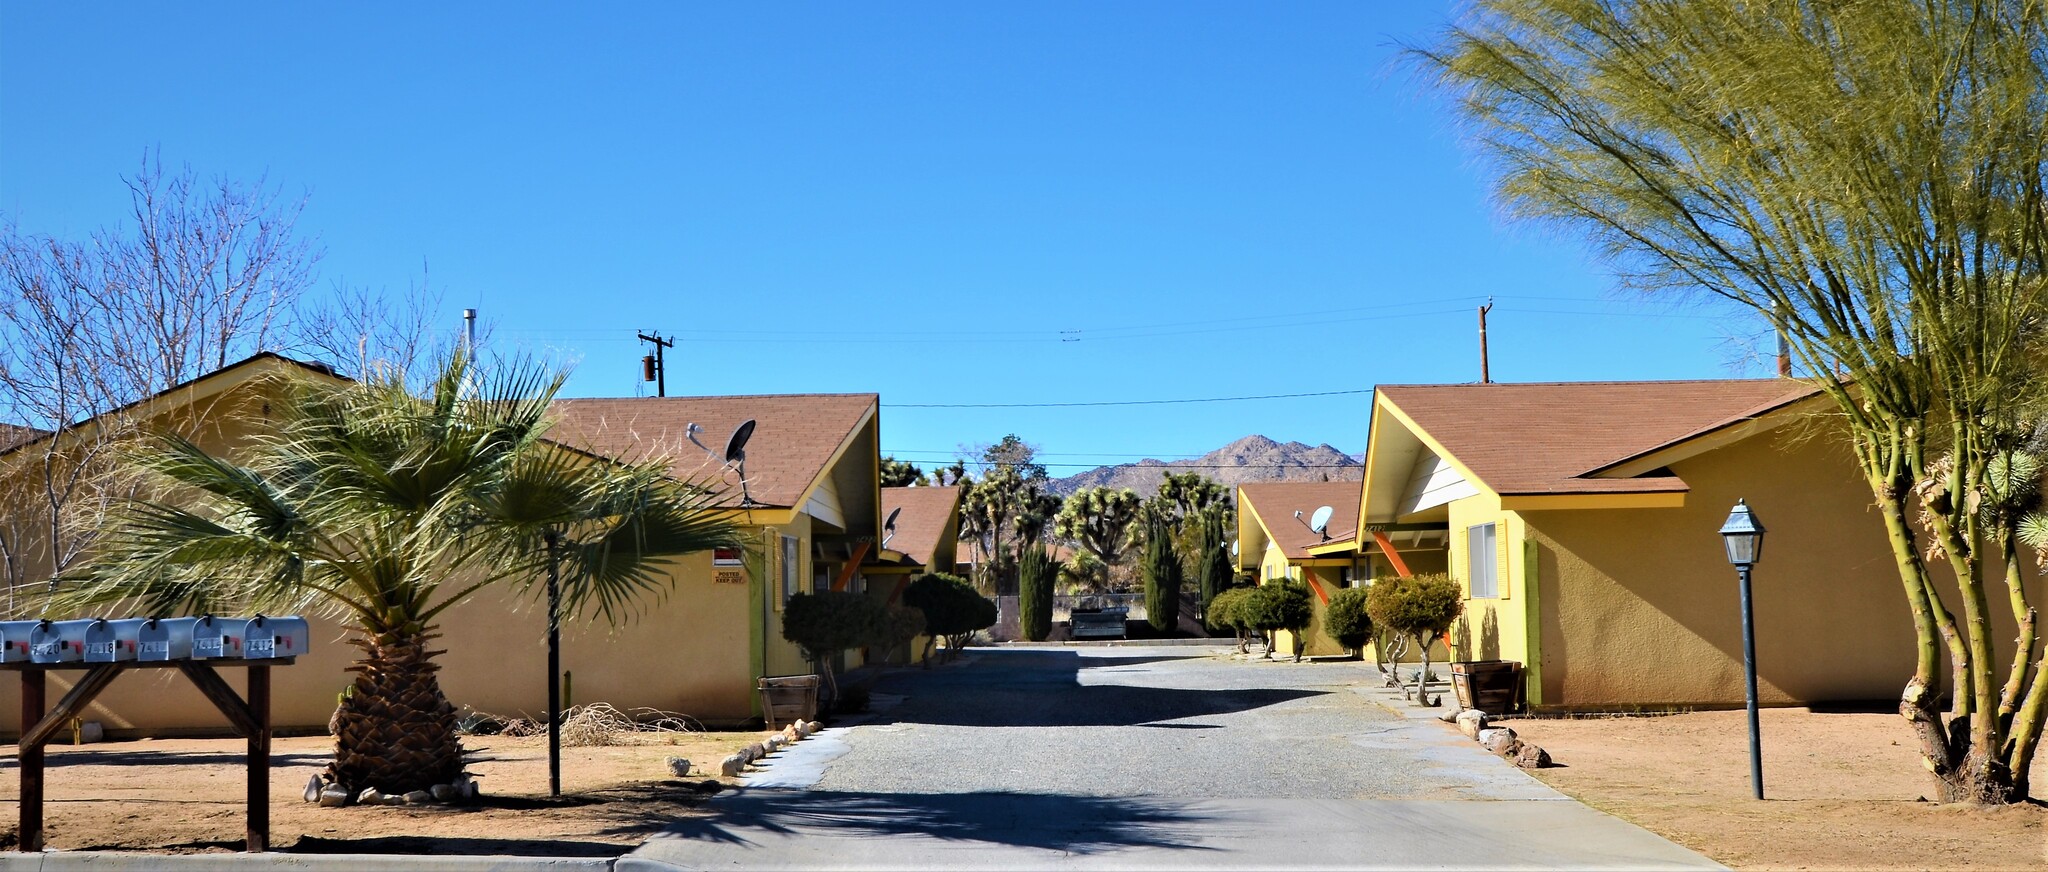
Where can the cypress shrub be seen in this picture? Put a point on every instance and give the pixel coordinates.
(1035, 573)
(1162, 577)
(1216, 569)
(1347, 621)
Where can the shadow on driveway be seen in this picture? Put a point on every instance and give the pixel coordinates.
(1058, 822)
(1040, 688)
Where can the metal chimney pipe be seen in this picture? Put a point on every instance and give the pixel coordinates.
(469, 331)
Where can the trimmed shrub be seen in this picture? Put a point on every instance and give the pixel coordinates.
(1162, 577)
(1035, 574)
(1347, 621)
(828, 622)
(1227, 611)
(952, 608)
(1280, 604)
(1421, 608)
(900, 625)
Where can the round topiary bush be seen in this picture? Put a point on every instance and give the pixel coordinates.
(1347, 621)
(952, 609)
(1422, 608)
(828, 622)
(1227, 612)
(1280, 604)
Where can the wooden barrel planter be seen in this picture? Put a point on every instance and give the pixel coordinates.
(786, 699)
(1491, 686)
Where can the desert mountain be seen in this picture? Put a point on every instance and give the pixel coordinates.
(1253, 458)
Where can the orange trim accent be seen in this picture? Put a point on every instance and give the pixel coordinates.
(1393, 556)
(1309, 576)
(852, 566)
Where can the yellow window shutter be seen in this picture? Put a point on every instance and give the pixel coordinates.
(1501, 566)
(1461, 552)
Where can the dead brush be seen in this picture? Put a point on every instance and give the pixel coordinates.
(601, 724)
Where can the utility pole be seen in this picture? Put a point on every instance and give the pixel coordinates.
(654, 367)
(1485, 375)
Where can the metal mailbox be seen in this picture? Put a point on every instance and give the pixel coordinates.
(57, 641)
(163, 639)
(264, 638)
(111, 641)
(14, 640)
(214, 638)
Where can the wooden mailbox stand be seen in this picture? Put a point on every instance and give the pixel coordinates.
(250, 719)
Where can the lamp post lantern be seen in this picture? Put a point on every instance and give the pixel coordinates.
(1743, 536)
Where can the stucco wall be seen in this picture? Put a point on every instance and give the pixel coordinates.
(1640, 607)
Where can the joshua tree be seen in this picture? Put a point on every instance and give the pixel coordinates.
(385, 509)
(901, 473)
(1098, 520)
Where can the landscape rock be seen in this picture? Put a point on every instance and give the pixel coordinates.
(733, 766)
(1500, 740)
(471, 790)
(815, 726)
(774, 743)
(760, 750)
(333, 797)
(419, 797)
(1532, 757)
(679, 767)
(746, 754)
(446, 792)
(1450, 716)
(790, 735)
(313, 788)
(1470, 722)
(369, 796)
(802, 729)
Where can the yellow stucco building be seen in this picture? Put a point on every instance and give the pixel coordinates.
(1581, 519)
(811, 507)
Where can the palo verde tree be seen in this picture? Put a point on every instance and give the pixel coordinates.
(1868, 179)
(1419, 609)
(385, 509)
(1035, 575)
(1162, 578)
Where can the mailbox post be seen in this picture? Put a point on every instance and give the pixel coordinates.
(105, 649)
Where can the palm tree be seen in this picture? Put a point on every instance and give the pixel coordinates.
(384, 509)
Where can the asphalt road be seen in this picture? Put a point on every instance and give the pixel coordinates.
(1144, 758)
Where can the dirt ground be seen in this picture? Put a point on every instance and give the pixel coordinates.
(1844, 791)
(186, 795)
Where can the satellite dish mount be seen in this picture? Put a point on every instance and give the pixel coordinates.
(889, 526)
(736, 456)
(1318, 523)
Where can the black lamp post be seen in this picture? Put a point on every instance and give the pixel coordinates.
(1744, 537)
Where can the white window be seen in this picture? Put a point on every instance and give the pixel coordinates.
(792, 559)
(1482, 562)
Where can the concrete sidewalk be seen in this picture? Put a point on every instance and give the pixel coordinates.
(109, 861)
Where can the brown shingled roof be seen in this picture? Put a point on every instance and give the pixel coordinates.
(1550, 438)
(1277, 501)
(926, 512)
(795, 435)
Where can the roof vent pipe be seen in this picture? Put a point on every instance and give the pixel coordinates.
(1784, 357)
(469, 332)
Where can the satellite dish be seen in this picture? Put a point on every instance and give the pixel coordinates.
(1320, 521)
(736, 454)
(1233, 549)
(889, 526)
(736, 447)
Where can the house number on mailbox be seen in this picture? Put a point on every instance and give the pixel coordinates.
(206, 646)
(156, 650)
(259, 647)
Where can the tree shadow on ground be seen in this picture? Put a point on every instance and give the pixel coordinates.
(1041, 688)
(1059, 822)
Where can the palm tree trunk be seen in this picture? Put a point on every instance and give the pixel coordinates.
(396, 732)
(554, 664)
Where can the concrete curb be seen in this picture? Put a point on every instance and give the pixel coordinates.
(110, 861)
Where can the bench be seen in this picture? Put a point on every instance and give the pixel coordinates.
(1103, 624)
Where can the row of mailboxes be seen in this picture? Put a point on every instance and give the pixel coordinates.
(98, 640)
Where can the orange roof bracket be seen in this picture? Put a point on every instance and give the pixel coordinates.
(860, 552)
(1310, 577)
(1393, 556)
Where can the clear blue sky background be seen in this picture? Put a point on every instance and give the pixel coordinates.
(944, 203)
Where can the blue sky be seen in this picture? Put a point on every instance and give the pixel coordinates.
(943, 203)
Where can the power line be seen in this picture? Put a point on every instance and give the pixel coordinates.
(1122, 402)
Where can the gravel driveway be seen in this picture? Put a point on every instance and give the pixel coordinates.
(1161, 757)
